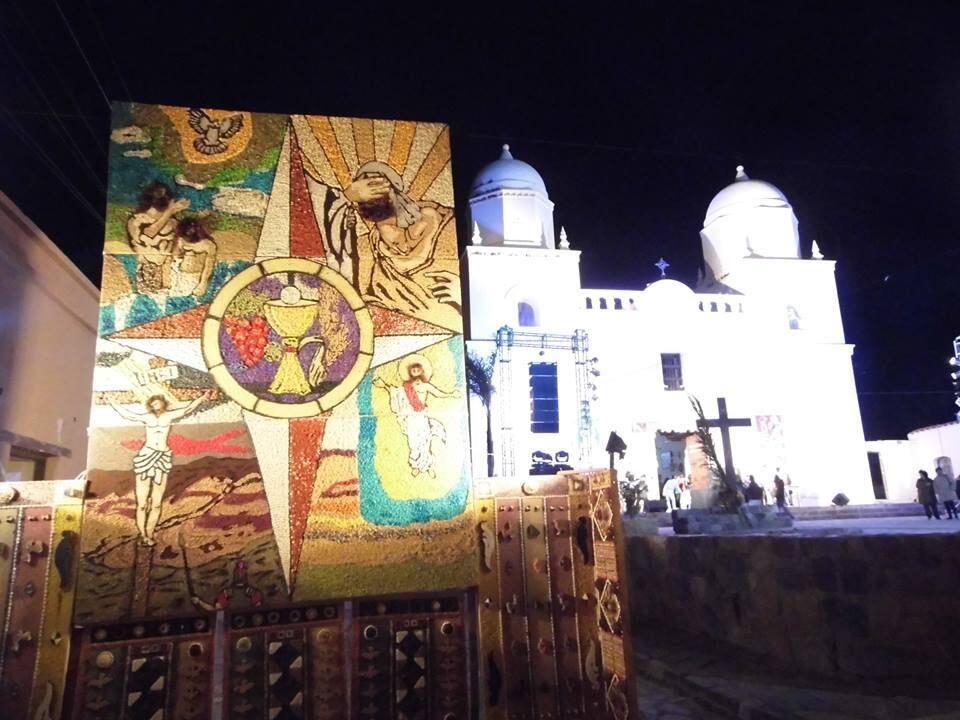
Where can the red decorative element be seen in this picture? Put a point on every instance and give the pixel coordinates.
(186, 324)
(390, 322)
(305, 237)
(181, 445)
(415, 402)
(306, 434)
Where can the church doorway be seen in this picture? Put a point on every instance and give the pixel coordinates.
(679, 454)
(671, 455)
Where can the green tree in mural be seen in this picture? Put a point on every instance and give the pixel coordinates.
(725, 494)
(480, 384)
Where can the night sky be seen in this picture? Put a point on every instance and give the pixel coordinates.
(634, 119)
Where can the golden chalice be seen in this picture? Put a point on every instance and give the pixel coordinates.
(291, 317)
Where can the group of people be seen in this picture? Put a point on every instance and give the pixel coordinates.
(940, 488)
(755, 493)
(176, 256)
(678, 493)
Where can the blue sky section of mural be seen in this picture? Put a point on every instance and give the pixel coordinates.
(129, 174)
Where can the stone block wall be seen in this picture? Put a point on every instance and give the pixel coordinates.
(869, 607)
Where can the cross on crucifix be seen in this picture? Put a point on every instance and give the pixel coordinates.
(662, 266)
(725, 422)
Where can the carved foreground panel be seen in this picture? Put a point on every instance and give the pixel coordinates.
(357, 660)
(554, 641)
(39, 548)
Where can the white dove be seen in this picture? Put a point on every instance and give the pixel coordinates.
(213, 132)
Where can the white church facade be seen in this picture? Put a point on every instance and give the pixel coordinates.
(761, 333)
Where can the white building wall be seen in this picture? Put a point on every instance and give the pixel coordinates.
(930, 444)
(48, 331)
(764, 231)
(897, 467)
(500, 278)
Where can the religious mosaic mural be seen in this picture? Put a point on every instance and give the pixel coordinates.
(279, 399)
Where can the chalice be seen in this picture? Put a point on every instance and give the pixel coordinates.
(291, 317)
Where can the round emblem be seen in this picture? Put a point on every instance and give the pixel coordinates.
(288, 338)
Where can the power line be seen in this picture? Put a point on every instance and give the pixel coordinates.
(76, 42)
(82, 116)
(51, 164)
(106, 46)
(725, 157)
(64, 131)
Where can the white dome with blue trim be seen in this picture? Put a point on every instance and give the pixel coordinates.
(507, 173)
(744, 194)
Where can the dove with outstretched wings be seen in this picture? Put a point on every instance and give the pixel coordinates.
(213, 132)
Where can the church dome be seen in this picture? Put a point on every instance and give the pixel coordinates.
(507, 173)
(744, 194)
(668, 290)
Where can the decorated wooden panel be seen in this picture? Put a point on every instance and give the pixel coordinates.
(146, 671)
(279, 398)
(39, 550)
(390, 659)
(553, 640)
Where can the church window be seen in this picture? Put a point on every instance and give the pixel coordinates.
(672, 371)
(793, 317)
(526, 315)
(617, 304)
(544, 402)
(603, 303)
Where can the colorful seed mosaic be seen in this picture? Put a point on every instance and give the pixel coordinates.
(279, 399)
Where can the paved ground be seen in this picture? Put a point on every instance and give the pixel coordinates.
(700, 678)
(658, 702)
(911, 525)
(882, 525)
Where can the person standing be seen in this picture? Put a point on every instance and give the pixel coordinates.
(753, 492)
(671, 493)
(780, 494)
(926, 495)
(686, 494)
(642, 493)
(946, 493)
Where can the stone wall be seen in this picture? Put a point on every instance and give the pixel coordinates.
(850, 606)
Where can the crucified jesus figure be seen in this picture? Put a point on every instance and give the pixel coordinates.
(152, 464)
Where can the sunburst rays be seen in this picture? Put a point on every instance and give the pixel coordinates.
(336, 147)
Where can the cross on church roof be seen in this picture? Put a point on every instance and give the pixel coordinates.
(662, 266)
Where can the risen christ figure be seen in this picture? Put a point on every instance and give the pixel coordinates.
(152, 464)
(409, 403)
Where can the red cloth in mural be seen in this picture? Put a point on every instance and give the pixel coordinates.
(181, 445)
(415, 402)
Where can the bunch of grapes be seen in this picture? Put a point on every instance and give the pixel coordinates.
(250, 337)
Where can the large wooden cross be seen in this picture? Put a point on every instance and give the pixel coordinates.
(724, 423)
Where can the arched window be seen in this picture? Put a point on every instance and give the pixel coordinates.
(617, 304)
(603, 303)
(526, 315)
(793, 317)
(589, 303)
